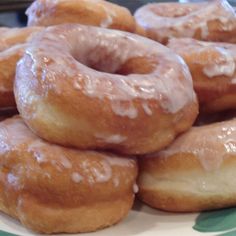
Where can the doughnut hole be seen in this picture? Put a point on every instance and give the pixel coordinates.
(103, 59)
(137, 65)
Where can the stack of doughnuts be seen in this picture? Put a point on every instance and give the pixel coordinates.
(99, 98)
(86, 108)
(103, 108)
(195, 172)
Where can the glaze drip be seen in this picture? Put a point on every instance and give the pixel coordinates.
(98, 48)
(211, 144)
(184, 20)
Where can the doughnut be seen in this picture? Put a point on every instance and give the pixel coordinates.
(95, 88)
(212, 21)
(213, 69)
(12, 46)
(87, 12)
(53, 189)
(195, 173)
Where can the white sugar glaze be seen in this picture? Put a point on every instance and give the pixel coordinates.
(124, 109)
(99, 172)
(76, 177)
(55, 157)
(30, 12)
(107, 14)
(190, 17)
(15, 134)
(93, 166)
(147, 109)
(52, 4)
(103, 175)
(106, 22)
(211, 144)
(13, 180)
(116, 182)
(115, 138)
(223, 63)
(122, 162)
(71, 50)
(110, 14)
(135, 188)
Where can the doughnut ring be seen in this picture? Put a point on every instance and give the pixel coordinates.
(53, 189)
(213, 68)
(12, 46)
(87, 12)
(195, 173)
(212, 21)
(112, 90)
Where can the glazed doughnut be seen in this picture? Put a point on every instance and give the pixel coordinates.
(95, 88)
(195, 173)
(52, 189)
(12, 47)
(87, 12)
(213, 68)
(212, 21)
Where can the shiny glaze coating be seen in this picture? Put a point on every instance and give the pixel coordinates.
(194, 173)
(12, 45)
(53, 189)
(87, 12)
(213, 68)
(89, 87)
(212, 21)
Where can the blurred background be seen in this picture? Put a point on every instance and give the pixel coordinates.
(12, 12)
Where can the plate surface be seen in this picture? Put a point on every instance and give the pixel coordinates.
(145, 221)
